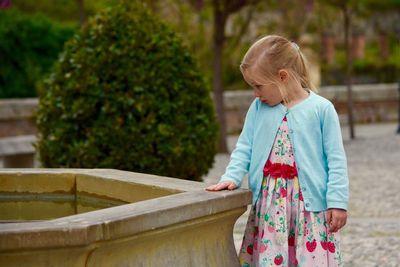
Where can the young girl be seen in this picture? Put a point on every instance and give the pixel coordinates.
(291, 147)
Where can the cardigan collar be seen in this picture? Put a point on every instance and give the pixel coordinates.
(285, 109)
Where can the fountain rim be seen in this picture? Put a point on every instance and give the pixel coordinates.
(189, 201)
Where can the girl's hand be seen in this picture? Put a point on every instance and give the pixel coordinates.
(222, 186)
(336, 218)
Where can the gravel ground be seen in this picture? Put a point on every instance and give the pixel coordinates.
(372, 234)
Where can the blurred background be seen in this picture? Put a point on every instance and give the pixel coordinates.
(346, 42)
(37, 30)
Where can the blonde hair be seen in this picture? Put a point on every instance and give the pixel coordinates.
(270, 54)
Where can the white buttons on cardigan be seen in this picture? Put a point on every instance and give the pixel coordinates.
(290, 131)
(303, 189)
(307, 205)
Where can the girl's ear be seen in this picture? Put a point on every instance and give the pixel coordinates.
(283, 75)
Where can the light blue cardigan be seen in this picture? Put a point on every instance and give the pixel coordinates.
(315, 134)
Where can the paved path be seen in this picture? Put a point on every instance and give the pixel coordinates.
(372, 234)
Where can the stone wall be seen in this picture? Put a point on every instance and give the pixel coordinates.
(17, 117)
(372, 103)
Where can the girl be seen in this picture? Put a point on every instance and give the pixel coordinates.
(291, 147)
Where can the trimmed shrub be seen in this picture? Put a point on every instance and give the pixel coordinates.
(126, 94)
(29, 46)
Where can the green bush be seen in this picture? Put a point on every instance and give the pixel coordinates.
(29, 45)
(126, 94)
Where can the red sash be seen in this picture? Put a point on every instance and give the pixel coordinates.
(277, 170)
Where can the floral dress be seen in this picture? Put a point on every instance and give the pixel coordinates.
(279, 231)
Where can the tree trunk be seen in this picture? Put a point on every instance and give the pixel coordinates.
(81, 12)
(398, 87)
(222, 10)
(347, 30)
(218, 44)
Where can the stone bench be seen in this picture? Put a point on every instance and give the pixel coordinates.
(17, 116)
(17, 151)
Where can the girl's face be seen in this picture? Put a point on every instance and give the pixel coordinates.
(268, 93)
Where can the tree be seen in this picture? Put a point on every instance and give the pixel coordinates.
(221, 12)
(127, 94)
(222, 9)
(29, 46)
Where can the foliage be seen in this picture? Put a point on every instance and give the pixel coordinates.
(65, 11)
(126, 94)
(29, 46)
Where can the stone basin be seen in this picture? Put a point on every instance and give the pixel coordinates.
(101, 217)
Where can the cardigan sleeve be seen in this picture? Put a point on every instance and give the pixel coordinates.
(338, 183)
(241, 155)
